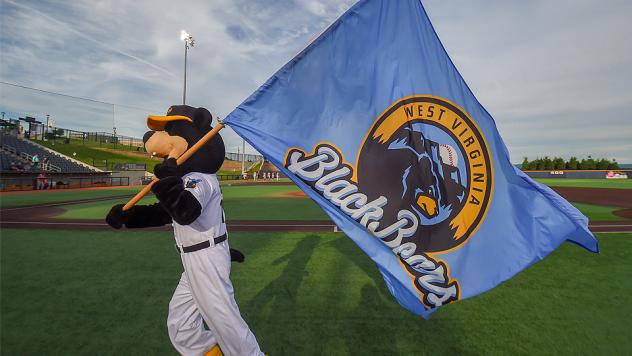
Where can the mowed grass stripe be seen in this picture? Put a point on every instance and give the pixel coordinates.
(598, 212)
(70, 292)
(240, 203)
(97, 210)
(236, 209)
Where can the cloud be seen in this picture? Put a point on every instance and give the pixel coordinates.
(549, 72)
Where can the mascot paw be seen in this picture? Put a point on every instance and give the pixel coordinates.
(117, 217)
(237, 256)
(168, 168)
(167, 187)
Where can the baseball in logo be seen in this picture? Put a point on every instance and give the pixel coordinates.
(422, 183)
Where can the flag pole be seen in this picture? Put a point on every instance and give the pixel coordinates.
(185, 156)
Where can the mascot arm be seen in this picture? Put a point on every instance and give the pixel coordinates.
(138, 216)
(181, 205)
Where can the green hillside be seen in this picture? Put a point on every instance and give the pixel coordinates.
(97, 154)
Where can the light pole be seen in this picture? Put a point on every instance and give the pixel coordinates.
(243, 155)
(188, 42)
(47, 127)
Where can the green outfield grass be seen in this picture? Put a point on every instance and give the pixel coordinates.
(53, 196)
(598, 212)
(587, 183)
(281, 209)
(240, 203)
(101, 292)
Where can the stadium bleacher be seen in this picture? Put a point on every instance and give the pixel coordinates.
(21, 165)
(5, 162)
(57, 160)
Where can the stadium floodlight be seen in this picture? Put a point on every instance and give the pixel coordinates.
(188, 42)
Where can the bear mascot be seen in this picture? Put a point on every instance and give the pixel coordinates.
(203, 315)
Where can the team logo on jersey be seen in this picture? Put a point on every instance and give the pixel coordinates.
(192, 183)
(422, 183)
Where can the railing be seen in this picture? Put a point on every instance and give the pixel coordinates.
(45, 166)
(31, 183)
(229, 176)
(129, 167)
(35, 131)
(105, 165)
(9, 149)
(259, 162)
(239, 156)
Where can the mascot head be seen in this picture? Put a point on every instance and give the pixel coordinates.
(171, 135)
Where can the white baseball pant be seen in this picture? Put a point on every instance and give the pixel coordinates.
(205, 292)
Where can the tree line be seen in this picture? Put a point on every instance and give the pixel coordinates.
(573, 163)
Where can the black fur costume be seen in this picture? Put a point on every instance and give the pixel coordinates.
(174, 202)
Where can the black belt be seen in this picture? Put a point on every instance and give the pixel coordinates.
(202, 245)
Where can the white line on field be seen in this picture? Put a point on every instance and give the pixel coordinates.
(52, 223)
(613, 232)
(101, 224)
(609, 225)
(258, 225)
(278, 225)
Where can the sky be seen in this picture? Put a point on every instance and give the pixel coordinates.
(555, 74)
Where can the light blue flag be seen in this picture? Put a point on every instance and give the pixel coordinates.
(373, 121)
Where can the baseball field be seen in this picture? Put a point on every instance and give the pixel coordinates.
(70, 285)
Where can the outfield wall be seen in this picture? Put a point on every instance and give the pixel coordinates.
(29, 181)
(575, 174)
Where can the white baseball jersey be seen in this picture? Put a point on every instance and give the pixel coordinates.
(211, 222)
(205, 291)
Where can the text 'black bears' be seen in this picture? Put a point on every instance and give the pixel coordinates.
(421, 182)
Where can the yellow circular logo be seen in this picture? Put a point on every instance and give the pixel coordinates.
(426, 155)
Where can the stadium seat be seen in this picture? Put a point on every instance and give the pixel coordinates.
(55, 159)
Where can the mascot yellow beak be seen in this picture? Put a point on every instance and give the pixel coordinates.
(158, 123)
(159, 143)
(428, 205)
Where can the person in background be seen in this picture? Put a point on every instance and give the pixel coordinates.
(41, 180)
(35, 160)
